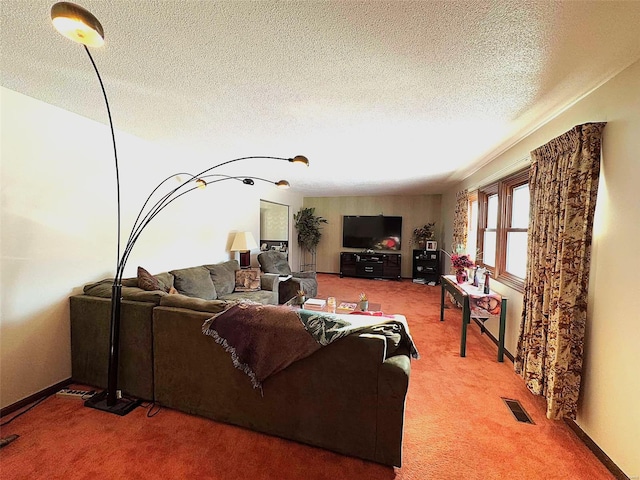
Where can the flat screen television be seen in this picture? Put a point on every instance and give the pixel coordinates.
(371, 232)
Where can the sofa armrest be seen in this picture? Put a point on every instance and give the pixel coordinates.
(304, 275)
(269, 281)
(90, 319)
(393, 383)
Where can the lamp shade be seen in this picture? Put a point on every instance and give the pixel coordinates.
(244, 241)
(301, 159)
(77, 24)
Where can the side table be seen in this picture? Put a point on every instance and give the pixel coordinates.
(462, 293)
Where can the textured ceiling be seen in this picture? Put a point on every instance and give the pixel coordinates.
(384, 97)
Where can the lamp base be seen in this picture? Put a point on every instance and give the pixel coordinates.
(245, 259)
(122, 406)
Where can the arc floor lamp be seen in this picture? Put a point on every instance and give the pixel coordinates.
(79, 25)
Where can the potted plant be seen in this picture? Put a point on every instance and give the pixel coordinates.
(422, 234)
(308, 226)
(301, 297)
(363, 304)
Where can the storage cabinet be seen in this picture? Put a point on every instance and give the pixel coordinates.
(370, 265)
(348, 264)
(426, 266)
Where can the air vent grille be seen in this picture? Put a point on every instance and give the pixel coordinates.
(517, 410)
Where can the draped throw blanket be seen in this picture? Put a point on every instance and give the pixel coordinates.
(563, 186)
(265, 339)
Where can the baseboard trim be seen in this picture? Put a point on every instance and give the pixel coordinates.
(32, 398)
(591, 445)
(493, 339)
(597, 451)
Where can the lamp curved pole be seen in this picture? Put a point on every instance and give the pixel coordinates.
(113, 140)
(162, 202)
(199, 176)
(143, 220)
(246, 179)
(157, 204)
(79, 25)
(111, 403)
(267, 180)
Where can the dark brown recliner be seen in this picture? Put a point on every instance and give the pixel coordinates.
(273, 261)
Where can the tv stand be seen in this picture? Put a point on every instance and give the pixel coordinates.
(370, 265)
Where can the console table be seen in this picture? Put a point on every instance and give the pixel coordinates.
(484, 306)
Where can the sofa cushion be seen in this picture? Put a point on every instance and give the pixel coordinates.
(103, 289)
(265, 297)
(247, 280)
(194, 282)
(165, 279)
(191, 303)
(129, 282)
(139, 295)
(99, 289)
(224, 276)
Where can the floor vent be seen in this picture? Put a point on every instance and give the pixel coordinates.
(517, 410)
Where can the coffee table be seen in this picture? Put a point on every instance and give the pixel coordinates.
(343, 306)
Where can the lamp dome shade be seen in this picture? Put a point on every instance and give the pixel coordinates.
(300, 159)
(77, 24)
(243, 242)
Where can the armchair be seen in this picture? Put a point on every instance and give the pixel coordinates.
(273, 261)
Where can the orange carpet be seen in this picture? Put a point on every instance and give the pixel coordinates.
(456, 425)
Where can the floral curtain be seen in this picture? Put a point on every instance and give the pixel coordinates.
(563, 185)
(460, 220)
(460, 229)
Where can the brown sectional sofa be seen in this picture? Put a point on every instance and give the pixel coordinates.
(348, 397)
(91, 314)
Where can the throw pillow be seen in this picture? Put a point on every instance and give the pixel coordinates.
(194, 282)
(223, 276)
(146, 281)
(247, 280)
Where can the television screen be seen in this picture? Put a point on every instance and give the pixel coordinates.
(371, 232)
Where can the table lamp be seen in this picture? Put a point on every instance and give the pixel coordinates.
(244, 243)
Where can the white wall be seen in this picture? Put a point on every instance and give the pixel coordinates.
(58, 228)
(609, 408)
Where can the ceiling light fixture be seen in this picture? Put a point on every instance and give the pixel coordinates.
(79, 25)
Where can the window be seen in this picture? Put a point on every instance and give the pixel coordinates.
(516, 244)
(503, 221)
